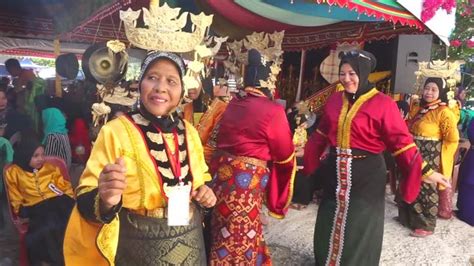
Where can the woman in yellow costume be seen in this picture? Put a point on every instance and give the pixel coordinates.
(138, 197)
(208, 126)
(38, 191)
(433, 126)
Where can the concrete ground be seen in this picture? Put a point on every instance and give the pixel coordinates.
(291, 240)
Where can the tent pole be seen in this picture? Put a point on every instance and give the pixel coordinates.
(300, 81)
(57, 81)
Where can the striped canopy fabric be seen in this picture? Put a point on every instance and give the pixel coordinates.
(388, 10)
(308, 24)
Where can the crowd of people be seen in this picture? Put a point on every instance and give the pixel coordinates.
(187, 182)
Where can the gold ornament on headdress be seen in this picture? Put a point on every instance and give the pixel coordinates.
(163, 30)
(449, 71)
(218, 40)
(116, 46)
(100, 113)
(269, 46)
(196, 68)
(119, 95)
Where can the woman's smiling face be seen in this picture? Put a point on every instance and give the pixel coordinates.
(430, 92)
(161, 88)
(349, 79)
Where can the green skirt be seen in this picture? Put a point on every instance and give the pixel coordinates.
(349, 226)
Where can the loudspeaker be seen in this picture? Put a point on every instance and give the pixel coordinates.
(411, 49)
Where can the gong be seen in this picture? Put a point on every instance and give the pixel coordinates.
(102, 65)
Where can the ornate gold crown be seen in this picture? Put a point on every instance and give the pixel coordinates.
(164, 28)
(449, 71)
(269, 46)
(163, 32)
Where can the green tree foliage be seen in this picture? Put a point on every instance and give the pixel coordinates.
(462, 38)
(43, 61)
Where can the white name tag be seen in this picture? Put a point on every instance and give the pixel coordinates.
(178, 204)
(56, 190)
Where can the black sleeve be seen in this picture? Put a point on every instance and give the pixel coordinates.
(86, 206)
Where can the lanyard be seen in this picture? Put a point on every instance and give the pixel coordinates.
(177, 163)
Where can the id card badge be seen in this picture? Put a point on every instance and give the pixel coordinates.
(55, 189)
(178, 204)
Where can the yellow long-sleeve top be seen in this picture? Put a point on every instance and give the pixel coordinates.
(90, 243)
(27, 189)
(438, 124)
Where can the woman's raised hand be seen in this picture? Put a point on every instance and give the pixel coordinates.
(112, 183)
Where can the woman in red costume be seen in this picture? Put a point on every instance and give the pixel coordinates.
(358, 124)
(254, 159)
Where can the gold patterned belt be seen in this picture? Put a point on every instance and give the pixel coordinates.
(158, 213)
(251, 160)
(245, 159)
(359, 154)
(425, 138)
(345, 155)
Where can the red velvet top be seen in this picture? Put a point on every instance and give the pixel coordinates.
(375, 125)
(256, 127)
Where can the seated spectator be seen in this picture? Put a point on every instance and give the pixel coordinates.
(38, 191)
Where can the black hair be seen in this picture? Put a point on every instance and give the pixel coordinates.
(12, 62)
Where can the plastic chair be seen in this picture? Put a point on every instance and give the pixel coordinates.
(59, 162)
(20, 224)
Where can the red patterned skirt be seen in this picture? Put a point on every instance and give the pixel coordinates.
(236, 228)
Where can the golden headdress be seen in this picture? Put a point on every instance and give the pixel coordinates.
(448, 71)
(267, 44)
(163, 31)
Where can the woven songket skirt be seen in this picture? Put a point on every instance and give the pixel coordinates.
(150, 241)
(236, 228)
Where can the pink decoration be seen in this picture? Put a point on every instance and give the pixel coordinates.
(470, 43)
(448, 5)
(431, 6)
(455, 43)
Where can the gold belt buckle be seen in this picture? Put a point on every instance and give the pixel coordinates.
(156, 213)
(161, 213)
